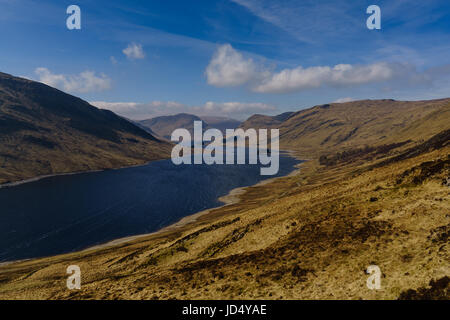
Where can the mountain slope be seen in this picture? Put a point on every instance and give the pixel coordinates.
(46, 131)
(338, 126)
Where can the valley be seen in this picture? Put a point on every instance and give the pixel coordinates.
(378, 196)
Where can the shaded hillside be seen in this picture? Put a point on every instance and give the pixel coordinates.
(338, 126)
(164, 126)
(45, 131)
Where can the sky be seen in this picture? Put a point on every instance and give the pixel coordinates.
(230, 58)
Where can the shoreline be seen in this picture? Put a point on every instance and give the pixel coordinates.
(232, 197)
(38, 178)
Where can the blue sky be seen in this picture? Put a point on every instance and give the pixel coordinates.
(230, 57)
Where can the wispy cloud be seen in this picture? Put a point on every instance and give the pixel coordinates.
(139, 111)
(86, 81)
(303, 20)
(134, 51)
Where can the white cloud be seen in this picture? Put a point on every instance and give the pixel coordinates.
(343, 100)
(306, 21)
(228, 67)
(113, 60)
(139, 111)
(86, 81)
(298, 79)
(134, 51)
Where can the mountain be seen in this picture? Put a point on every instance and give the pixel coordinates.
(46, 131)
(164, 126)
(337, 126)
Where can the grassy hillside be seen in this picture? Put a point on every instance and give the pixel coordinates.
(46, 131)
(339, 126)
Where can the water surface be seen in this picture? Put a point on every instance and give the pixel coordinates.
(67, 213)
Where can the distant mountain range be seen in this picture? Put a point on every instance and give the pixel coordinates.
(46, 131)
(164, 126)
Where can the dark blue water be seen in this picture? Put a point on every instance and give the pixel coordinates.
(67, 213)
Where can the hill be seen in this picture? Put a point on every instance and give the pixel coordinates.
(46, 131)
(164, 126)
(339, 126)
